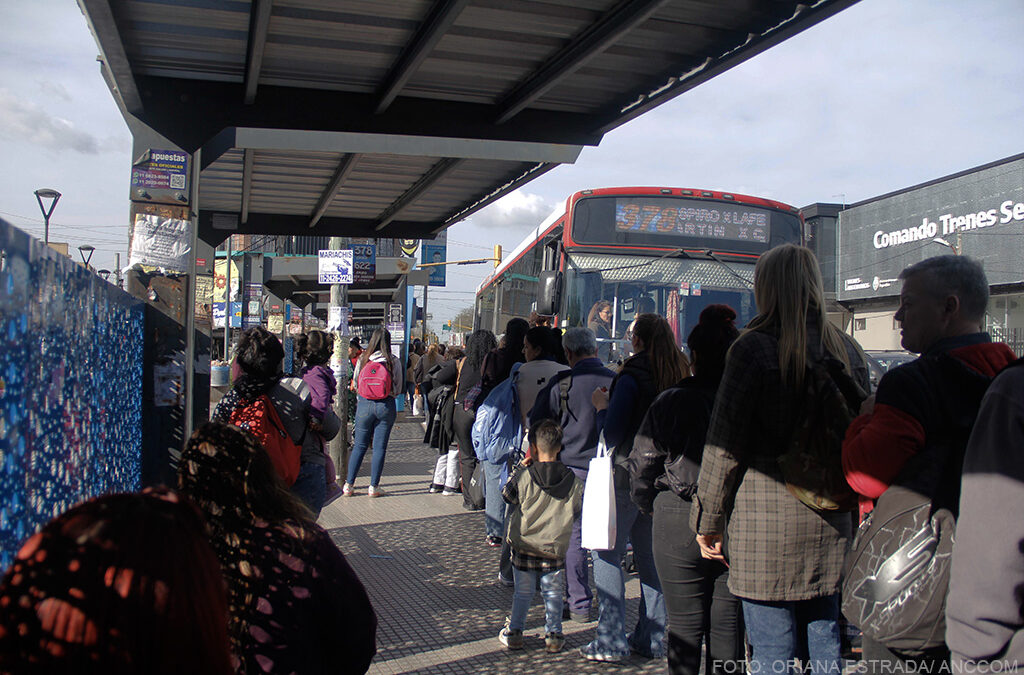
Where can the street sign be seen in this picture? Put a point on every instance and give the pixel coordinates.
(335, 267)
(364, 263)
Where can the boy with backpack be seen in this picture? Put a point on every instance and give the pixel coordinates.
(546, 496)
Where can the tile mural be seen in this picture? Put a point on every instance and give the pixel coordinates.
(71, 365)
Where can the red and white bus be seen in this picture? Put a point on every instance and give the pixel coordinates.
(670, 251)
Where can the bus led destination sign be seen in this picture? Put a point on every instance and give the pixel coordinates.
(732, 222)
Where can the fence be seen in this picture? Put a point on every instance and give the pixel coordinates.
(71, 374)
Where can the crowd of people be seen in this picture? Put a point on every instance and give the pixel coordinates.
(735, 544)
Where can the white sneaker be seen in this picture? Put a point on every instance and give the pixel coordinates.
(374, 491)
(347, 490)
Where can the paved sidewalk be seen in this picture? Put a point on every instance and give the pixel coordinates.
(432, 578)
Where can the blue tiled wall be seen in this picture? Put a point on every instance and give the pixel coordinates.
(71, 368)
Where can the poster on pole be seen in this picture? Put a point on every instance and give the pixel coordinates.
(161, 242)
(396, 313)
(335, 267)
(161, 176)
(435, 253)
(338, 318)
(364, 263)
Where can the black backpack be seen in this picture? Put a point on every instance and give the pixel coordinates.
(896, 575)
(812, 461)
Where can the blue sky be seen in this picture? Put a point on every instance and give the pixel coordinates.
(884, 95)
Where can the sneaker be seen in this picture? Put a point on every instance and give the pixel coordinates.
(554, 642)
(592, 652)
(493, 541)
(505, 582)
(347, 490)
(450, 493)
(513, 639)
(434, 489)
(374, 491)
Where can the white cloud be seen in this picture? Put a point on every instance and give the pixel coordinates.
(28, 122)
(517, 211)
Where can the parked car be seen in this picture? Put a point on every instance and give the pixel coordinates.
(882, 361)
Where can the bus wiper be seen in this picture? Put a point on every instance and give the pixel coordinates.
(728, 269)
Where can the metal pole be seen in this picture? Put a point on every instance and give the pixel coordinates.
(190, 301)
(227, 303)
(338, 447)
(423, 333)
(117, 270)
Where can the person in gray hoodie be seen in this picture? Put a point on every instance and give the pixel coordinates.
(546, 497)
(985, 606)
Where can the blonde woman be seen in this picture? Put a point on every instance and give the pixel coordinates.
(784, 558)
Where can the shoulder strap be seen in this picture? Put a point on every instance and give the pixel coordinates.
(458, 376)
(563, 398)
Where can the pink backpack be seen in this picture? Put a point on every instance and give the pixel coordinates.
(374, 381)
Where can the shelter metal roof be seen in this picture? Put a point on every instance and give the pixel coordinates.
(401, 117)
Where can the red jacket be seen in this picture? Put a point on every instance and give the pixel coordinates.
(912, 405)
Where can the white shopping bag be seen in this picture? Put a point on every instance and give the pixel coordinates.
(417, 404)
(598, 526)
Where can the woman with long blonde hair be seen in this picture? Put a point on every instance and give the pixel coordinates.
(785, 558)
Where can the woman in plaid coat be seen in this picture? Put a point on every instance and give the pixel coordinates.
(785, 558)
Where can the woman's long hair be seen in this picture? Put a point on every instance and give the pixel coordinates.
(789, 292)
(515, 333)
(668, 363)
(478, 346)
(314, 348)
(380, 341)
(710, 339)
(595, 312)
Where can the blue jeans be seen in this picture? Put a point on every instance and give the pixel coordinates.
(775, 630)
(410, 393)
(648, 637)
(552, 587)
(311, 486)
(577, 570)
(374, 419)
(494, 505)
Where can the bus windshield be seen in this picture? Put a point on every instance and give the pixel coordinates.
(675, 222)
(606, 292)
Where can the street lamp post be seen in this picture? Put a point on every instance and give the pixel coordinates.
(942, 242)
(47, 193)
(86, 249)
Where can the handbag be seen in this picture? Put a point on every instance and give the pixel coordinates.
(473, 489)
(598, 520)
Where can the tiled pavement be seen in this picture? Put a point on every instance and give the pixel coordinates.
(432, 578)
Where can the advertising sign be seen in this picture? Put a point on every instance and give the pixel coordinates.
(979, 213)
(409, 247)
(335, 267)
(396, 313)
(161, 176)
(204, 299)
(364, 263)
(161, 242)
(275, 322)
(220, 280)
(435, 253)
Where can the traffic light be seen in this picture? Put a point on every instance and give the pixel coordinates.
(497, 254)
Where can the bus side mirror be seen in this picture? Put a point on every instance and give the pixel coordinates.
(549, 292)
